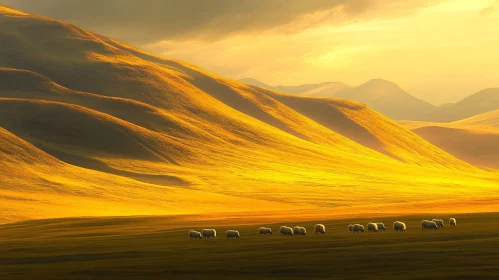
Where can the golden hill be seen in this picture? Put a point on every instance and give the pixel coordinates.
(37, 185)
(489, 119)
(115, 126)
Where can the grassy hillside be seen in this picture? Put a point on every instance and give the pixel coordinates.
(37, 185)
(489, 119)
(162, 136)
(151, 248)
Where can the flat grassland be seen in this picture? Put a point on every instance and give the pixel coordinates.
(158, 247)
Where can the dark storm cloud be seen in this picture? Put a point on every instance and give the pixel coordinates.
(152, 20)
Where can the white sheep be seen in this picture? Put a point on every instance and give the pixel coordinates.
(358, 228)
(350, 228)
(232, 234)
(372, 227)
(286, 231)
(320, 228)
(425, 224)
(264, 231)
(195, 234)
(381, 226)
(439, 222)
(209, 233)
(297, 230)
(452, 222)
(399, 226)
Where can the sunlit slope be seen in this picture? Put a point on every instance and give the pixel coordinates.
(364, 125)
(37, 185)
(489, 119)
(90, 101)
(152, 132)
(112, 69)
(174, 86)
(350, 119)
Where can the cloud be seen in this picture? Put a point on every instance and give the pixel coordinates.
(154, 20)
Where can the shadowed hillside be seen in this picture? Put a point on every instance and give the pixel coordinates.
(139, 124)
(473, 139)
(477, 147)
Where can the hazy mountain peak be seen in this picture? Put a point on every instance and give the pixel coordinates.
(489, 94)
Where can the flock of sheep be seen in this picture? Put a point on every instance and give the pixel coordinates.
(321, 229)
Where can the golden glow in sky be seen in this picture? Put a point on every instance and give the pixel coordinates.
(440, 52)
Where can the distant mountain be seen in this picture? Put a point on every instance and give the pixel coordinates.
(481, 102)
(389, 99)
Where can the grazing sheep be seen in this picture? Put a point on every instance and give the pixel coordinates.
(286, 231)
(372, 227)
(440, 223)
(233, 234)
(358, 228)
(425, 224)
(381, 226)
(320, 228)
(209, 233)
(452, 222)
(264, 231)
(399, 226)
(350, 228)
(195, 234)
(297, 230)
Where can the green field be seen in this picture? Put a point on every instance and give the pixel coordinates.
(157, 247)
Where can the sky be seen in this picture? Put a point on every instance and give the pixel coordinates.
(438, 50)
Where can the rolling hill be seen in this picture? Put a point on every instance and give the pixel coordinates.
(104, 123)
(473, 139)
(37, 185)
